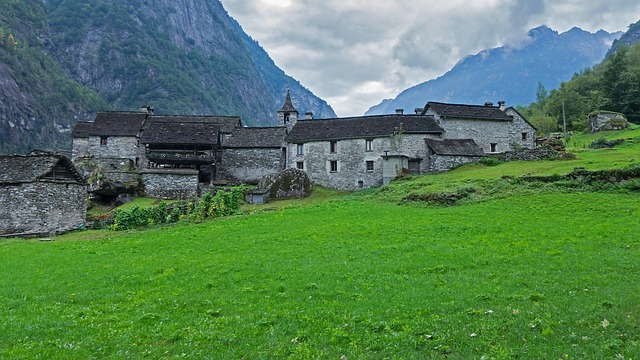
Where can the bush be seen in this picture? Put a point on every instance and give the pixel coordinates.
(603, 143)
(490, 161)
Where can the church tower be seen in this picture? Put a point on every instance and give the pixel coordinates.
(288, 115)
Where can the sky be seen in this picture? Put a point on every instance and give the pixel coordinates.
(355, 53)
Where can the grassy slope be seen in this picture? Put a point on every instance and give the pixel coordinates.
(531, 276)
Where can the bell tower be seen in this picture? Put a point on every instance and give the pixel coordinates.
(288, 115)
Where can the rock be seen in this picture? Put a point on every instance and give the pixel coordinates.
(290, 183)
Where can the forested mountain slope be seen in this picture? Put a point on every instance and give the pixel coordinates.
(181, 57)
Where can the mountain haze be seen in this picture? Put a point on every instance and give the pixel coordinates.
(180, 57)
(509, 73)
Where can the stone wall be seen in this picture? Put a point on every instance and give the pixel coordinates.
(249, 166)
(440, 163)
(170, 183)
(352, 157)
(79, 148)
(483, 132)
(517, 128)
(42, 208)
(124, 147)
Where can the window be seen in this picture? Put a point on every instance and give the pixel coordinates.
(333, 165)
(369, 166)
(360, 184)
(524, 136)
(494, 147)
(103, 141)
(300, 165)
(368, 145)
(300, 149)
(333, 147)
(287, 118)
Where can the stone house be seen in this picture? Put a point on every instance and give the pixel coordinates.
(183, 152)
(450, 153)
(495, 129)
(251, 153)
(40, 193)
(359, 152)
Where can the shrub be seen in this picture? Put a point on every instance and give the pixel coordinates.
(603, 143)
(490, 161)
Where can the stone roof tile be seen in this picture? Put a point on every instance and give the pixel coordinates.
(362, 127)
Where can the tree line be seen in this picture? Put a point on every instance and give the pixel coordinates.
(613, 85)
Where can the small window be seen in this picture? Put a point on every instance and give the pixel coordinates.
(103, 141)
(333, 146)
(360, 184)
(494, 147)
(287, 118)
(368, 145)
(300, 149)
(300, 165)
(369, 166)
(524, 136)
(333, 165)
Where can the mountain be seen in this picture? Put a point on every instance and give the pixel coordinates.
(631, 37)
(509, 73)
(72, 58)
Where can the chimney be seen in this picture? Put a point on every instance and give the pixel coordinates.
(146, 109)
(399, 111)
(501, 104)
(418, 111)
(308, 115)
(488, 104)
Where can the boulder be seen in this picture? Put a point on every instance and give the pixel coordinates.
(289, 183)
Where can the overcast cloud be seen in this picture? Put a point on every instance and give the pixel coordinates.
(354, 53)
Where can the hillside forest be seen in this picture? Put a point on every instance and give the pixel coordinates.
(613, 85)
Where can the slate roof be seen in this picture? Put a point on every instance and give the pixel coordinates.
(361, 127)
(455, 147)
(288, 105)
(81, 130)
(175, 131)
(18, 169)
(117, 124)
(226, 123)
(462, 111)
(256, 137)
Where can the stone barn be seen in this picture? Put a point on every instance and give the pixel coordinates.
(41, 194)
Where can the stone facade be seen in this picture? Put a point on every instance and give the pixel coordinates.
(40, 193)
(521, 132)
(440, 163)
(255, 164)
(354, 166)
(120, 147)
(170, 183)
(42, 208)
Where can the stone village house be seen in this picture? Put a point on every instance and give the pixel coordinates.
(178, 156)
(41, 194)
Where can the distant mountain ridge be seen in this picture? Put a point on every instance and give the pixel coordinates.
(509, 73)
(72, 58)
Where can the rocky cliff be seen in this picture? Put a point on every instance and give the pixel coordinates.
(180, 56)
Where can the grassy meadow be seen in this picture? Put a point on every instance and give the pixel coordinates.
(522, 271)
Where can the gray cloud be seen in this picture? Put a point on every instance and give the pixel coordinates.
(354, 53)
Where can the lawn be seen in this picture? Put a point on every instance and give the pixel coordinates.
(513, 270)
(546, 276)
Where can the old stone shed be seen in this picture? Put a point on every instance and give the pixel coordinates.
(40, 193)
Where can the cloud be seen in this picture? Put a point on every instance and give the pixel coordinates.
(354, 53)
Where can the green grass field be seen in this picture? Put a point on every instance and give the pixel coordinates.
(537, 274)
